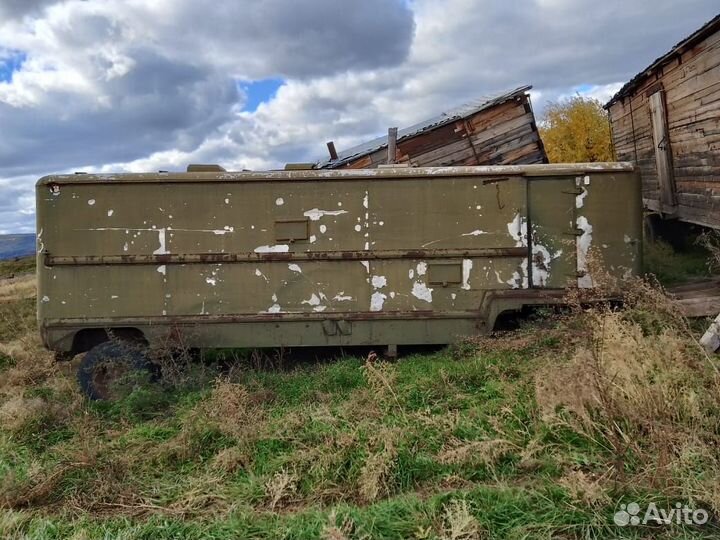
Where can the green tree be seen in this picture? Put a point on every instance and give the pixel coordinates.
(576, 130)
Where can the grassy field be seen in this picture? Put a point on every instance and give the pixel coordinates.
(543, 432)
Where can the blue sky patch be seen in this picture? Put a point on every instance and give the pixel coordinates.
(584, 88)
(10, 65)
(259, 92)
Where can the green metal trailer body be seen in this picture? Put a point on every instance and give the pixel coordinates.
(387, 256)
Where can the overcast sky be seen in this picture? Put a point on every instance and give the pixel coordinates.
(142, 85)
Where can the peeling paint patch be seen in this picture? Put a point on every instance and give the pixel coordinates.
(314, 300)
(580, 199)
(358, 228)
(366, 200)
(477, 232)
(379, 282)
(275, 308)
(467, 265)
(366, 264)
(91, 202)
(517, 229)
(421, 268)
(211, 281)
(315, 214)
(162, 269)
(161, 239)
(295, 268)
(323, 229)
(45, 299)
(341, 297)
(411, 273)
(583, 248)
(422, 292)
(377, 300)
(110, 212)
(278, 248)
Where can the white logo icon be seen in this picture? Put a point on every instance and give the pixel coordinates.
(627, 515)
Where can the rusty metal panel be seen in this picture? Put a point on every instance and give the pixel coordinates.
(219, 254)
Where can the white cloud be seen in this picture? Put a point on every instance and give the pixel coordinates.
(135, 85)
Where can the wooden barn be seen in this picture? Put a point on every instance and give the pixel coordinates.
(667, 120)
(490, 131)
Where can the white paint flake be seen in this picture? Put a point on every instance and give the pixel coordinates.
(110, 212)
(45, 299)
(91, 202)
(211, 281)
(341, 297)
(379, 282)
(114, 297)
(313, 301)
(323, 229)
(421, 268)
(421, 292)
(366, 200)
(275, 308)
(313, 238)
(366, 264)
(583, 248)
(315, 214)
(161, 239)
(377, 300)
(411, 273)
(279, 201)
(295, 268)
(358, 228)
(467, 265)
(227, 201)
(162, 269)
(580, 199)
(125, 247)
(477, 232)
(517, 229)
(279, 248)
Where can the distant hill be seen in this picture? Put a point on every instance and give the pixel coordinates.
(16, 245)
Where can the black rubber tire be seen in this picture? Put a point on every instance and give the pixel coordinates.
(103, 362)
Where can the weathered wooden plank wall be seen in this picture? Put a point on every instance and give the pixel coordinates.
(504, 134)
(691, 81)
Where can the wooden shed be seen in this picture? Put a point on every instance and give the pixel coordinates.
(667, 121)
(490, 131)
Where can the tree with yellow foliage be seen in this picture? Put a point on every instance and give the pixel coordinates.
(576, 130)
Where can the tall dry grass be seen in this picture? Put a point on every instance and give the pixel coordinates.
(642, 388)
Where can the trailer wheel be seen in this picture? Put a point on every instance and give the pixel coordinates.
(113, 369)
